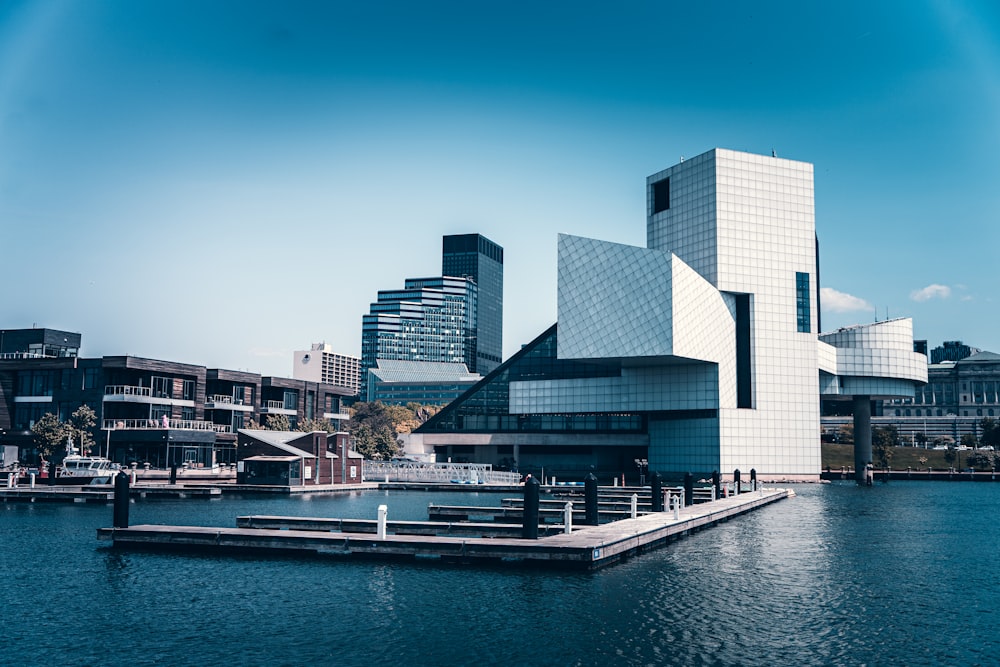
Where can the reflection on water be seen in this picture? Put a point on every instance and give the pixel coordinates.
(893, 574)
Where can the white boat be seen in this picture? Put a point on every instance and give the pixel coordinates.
(77, 469)
(88, 469)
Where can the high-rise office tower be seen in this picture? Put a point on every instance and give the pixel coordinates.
(475, 256)
(430, 319)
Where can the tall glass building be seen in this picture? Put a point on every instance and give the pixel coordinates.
(475, 256)
(430, 319)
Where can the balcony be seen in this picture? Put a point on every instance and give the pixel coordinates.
(121, 393)
(224, 402)
(161, 425)
(336, 415)
(276, 408)
(26, 355)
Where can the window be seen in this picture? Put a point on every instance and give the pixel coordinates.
(188, 390)
(802, 302)
(162, 387)
(90, 377)
(661, 196)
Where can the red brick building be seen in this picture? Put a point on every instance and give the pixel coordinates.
(294, 458)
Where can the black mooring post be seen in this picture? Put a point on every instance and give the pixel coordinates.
(688, 489)
(656, 491)
(51, 479)
(121, 500)
(173, 473)
(529, 524)
(590, 499)
(716, 482)
(753, 479)
(736, 480)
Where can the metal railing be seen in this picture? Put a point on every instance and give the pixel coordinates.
(276, 405)
(412, 471)
(27, 355)
(161, 424)
(223, 398)
(127, 390)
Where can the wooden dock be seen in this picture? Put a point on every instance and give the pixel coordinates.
(586, 547)
(437, 528)
(102, 493)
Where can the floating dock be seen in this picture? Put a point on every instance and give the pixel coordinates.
(101, 493)
(586, 547)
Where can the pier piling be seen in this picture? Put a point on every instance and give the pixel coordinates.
(529, 521)
(121, 500)
(590, 499)
(736, 480)
(656, 491)
(383, 512)
(688, 489)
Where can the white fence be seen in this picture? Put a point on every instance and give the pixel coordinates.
(444, 473)
(160, 424)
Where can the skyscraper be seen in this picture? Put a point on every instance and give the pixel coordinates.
(430, 319)
(475, 256)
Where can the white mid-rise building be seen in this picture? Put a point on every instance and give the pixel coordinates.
(322, 364)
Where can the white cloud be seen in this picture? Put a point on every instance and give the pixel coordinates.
(934, 291)
(838, 302)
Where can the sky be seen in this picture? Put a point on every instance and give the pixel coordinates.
(222, 183)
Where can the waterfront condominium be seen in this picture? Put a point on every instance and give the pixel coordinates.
(475, 256)
(697, 353)
(429, 320)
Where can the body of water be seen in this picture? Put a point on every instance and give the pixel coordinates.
(896, 574)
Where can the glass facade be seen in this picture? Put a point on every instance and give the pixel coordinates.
(430, 319)
(485, 407)
(476, 257)
(802, 310)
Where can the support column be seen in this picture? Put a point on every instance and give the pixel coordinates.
(862, 437)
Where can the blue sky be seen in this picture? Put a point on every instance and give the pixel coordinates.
(223, 183)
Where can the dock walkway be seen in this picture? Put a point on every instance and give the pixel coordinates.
(102, 493)
(586, 547)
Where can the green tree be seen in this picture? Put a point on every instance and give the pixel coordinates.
(81, 422)
(981, 459)
(920, 439)
(373, 429)
(310, 425)
(991, 433)
(969, 440)
(277, 423)
(884, 441)
(950, 454)
(50, 435)
(375, 442)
